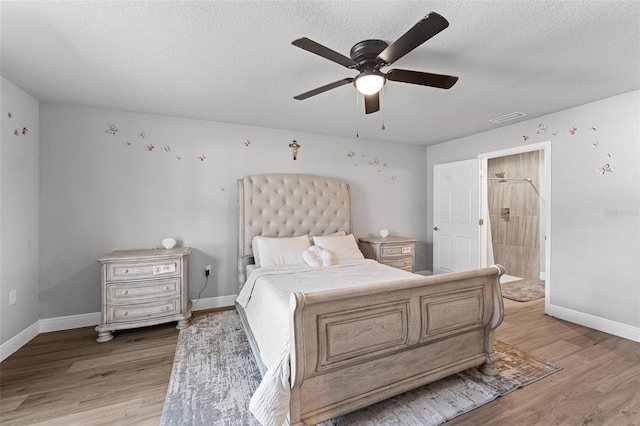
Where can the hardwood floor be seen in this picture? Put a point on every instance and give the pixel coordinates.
(66, 378)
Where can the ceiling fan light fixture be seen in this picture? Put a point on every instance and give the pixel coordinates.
(369, 82)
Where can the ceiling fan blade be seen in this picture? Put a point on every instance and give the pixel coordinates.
(323, 88)
(325, 52)
(426, 28)
(372, 103)
(422, 78)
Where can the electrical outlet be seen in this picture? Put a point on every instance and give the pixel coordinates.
(12, 297)
(207, 270)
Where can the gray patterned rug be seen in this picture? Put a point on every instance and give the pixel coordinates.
(523, 290)
(214, 375)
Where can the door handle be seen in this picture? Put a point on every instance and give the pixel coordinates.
(435, 228)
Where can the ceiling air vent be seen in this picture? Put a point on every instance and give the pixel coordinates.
(508, 117)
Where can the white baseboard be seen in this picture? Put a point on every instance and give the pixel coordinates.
(213, 302)
(597, 323)
(69, 322)
(19, 340)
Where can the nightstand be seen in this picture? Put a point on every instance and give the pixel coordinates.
(398, 252)
(144, 287)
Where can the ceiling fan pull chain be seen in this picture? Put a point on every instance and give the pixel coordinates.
(357, 108)
(382, 107)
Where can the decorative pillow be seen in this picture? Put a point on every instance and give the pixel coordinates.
(280, 251)
(316, 257)
(343, 247)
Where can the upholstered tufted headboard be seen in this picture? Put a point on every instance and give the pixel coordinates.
(288, 205)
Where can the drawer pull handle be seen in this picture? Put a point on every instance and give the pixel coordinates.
(167, 288)
(125, 292)
(125, 314)
(126, 271)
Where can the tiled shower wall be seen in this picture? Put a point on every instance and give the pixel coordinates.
(516, 242)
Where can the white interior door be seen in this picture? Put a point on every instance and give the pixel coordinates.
(456, 214)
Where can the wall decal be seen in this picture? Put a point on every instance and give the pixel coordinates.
(247, 143)
(604, 169)
(525, 137)
(595, 144)
(394, 177)
(22, 132)
(374, 162)
(179, 157)
(128, 143)
(572, 130)
(112, 129)
(294, 146)
(350, 154)
(593, 128)
(142, 135)
(554, 133)
(9, 114)
(166, 148)
(202, 157)
(149, 147)
(610, 155)
(542, 128)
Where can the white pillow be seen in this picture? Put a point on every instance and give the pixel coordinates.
(280, 251)
(343, 247)
(316, 257)
(256, 255)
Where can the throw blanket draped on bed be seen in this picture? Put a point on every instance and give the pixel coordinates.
(265, 298)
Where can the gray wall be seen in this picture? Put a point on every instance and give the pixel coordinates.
(595, 219)
(19, 220)
(101, 194)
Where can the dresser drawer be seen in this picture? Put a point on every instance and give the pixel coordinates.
(396, 250)
(139, 291)
(132, 312)
(406, 263)
(141, 270)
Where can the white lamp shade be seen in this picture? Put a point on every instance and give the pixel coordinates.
(368, 84)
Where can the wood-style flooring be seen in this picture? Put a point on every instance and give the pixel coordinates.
(66, 378)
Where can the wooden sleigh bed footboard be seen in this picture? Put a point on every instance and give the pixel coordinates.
(354, 347)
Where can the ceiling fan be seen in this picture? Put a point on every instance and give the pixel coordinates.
(369, 56)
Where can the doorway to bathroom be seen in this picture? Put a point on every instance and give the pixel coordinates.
(515, 188)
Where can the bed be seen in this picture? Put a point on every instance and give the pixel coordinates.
(333, 339)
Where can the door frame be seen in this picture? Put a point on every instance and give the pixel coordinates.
(545, 195)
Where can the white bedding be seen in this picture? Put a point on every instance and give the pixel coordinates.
(265, 298)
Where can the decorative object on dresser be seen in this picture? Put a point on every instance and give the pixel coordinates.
(142, 288)
(398, 252)
(169, 243)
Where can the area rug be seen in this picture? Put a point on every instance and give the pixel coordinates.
(523, 290)
(214, 375)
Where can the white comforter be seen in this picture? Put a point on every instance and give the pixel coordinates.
(265, 298)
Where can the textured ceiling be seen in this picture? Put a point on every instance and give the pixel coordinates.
(233, 61)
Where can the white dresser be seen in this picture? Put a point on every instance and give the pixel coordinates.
(398, 252)
(144, 287)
